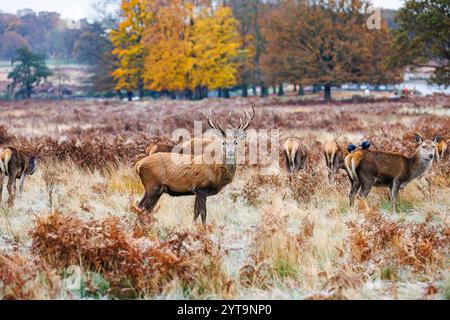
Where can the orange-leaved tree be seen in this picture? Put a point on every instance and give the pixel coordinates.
(326, 43)
(128, 49)
(216, 43)
(168, 46)
(190, 46)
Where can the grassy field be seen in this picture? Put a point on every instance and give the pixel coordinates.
(75, 232)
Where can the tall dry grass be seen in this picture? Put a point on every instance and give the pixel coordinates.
(75, 231)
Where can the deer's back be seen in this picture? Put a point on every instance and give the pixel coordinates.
(177, 172)
(385, 166)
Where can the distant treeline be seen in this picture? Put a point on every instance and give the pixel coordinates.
(188, 48)
(44, 33)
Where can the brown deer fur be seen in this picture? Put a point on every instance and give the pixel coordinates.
(295, 155)
(335, 155)
(441, 149)
(393, 170)
(192, 144)
(352, 161)
(181, 175)
(158, 148)
(14, 164)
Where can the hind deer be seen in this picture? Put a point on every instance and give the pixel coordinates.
(441, 148)
(181, 175)
(334, 158)
(295, 155)
(392, 170)
(15, 165)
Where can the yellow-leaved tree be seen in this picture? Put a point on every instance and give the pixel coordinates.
(128, 48)
(168, 47)
(192, 47)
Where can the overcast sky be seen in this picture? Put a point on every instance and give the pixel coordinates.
(77, 9)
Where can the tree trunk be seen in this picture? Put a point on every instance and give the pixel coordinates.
(29, 90)
(141, 88)
(295, 87)
(274, 89)
(198, 93)
(173, 95)
(264, 91)
(219, 92)
(244, 91)
(280, 90)
(189, 94)
(327, 94)
(130, 95)
(301, 91)
(254, 91)
(119, 93)
(205, 92)
(226, 93)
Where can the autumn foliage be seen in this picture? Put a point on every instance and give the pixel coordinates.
(175, 46)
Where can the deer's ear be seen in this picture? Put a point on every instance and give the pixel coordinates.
(419, 138)
(438, 138)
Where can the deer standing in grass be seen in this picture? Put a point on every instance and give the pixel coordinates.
(392, 170)
(441, 148)
(334, 158)
(295, 155)
(184, 175)
(14, 164)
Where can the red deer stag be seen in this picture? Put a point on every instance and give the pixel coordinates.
(295, 155)
(182, 175)
(15, 165)
(393, 170)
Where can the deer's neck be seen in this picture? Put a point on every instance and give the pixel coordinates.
(226, 173)
(417, 166)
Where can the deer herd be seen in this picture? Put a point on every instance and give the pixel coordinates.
(166, 171)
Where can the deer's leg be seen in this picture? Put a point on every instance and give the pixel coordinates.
(286, 160)
(394, 195)
(200, 206)
(11, 188)
(354, 190)
(22, 180)
(366, 186)
(150, 199)
(327, 161)
(1, 184)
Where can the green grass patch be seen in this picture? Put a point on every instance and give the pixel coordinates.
(403, 206)
(388, 273)
(285, 269)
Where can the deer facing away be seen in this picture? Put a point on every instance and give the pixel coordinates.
(335, 155)
(14, 164)
(393, 170)
(295, 155)
(181, 175)
(441, 148)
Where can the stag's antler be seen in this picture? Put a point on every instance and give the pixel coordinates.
(244, 120)
(211, 122)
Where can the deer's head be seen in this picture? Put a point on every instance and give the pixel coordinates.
(230, 138)
(426, 147)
